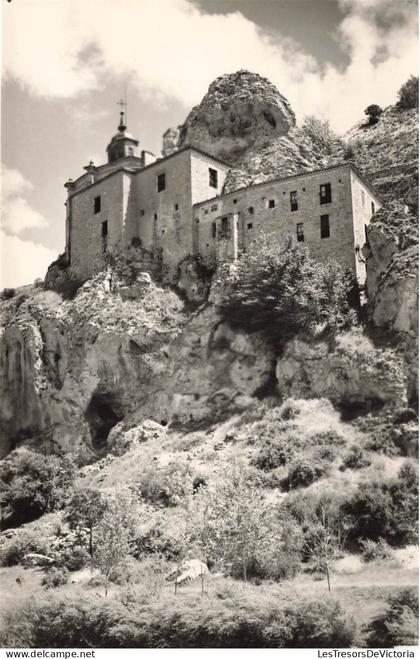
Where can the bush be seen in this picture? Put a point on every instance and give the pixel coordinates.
(303, 473)
(409, 94)
(74, 558)
(372, 551)
(355, 458)
(167, 486)
(26, 542)
(34, 484)
(281, 292)
(233, 620)
(374, 112)
(7, 293)
(384, 509)
(57, 576)
(273, 454)
(398, 625)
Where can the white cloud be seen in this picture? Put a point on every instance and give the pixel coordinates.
(169, 47)
(22, 261)
(17, 215)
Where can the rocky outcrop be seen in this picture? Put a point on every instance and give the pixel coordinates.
(240, 110)
(352, 374)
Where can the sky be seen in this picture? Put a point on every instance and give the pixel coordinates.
(66, 63)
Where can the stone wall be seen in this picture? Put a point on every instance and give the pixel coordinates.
(266, 208)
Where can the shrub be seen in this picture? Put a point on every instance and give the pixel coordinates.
(26, 542)
(384, 509)
(355, 458)
(167, 486)
(34, 484)
(303, 473)
(7, 293)
(233, 620)
(409, 94)
(55, 577)
(281, 292)
(272, 454)
(398, 625)
(374, 112)
(372, 551)
(320, 134)
(74, 558)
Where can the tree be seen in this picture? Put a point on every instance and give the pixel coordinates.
(281, 291)
(114, 535)
(236, 522)
(409, 94)
(33, 484)
(322, 543)
(374, 112)
(86, 509)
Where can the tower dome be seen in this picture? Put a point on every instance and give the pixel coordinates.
(123, 144)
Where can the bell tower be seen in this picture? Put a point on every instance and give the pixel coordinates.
(123, 144)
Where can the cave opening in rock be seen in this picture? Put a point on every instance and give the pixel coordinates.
(102, 414)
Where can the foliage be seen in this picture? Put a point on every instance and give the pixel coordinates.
(398, 625)
(372, 551)
(85, 509)
(55, 577)
(34, 484)
(355, 458)
(7, 293)
(302, 472)
(283, 291)
(273, 454)
(231, 620)
(114, 536)
(409, 94)
(374, 112)
(74, 558)
(322, 543)
(320, 134)
(384, 509)
(26, 542)
(166, 486)
(237, 525)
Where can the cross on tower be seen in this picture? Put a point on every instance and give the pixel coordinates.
(123, 104)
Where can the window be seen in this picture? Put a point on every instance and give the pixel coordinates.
(293, 201)
(214, 207)
(251, 210)
(176, 207)
(271, 203)
(97, 204)
(142, 212)
(104, 235)
(224, 226)
(235, 201)
(249, 225)
(155, 216)
(299, 232)
(206, 212)
(161, 182)
(372, 207)
(325, 193)
(363, 198)
(213, 230)
(163, 231)
(212, 178)
(325, 226)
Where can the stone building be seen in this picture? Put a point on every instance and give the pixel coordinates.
(174, 207)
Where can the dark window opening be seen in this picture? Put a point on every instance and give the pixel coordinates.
(176, 207)
(299, 233)
(161, 182)
(366, 235)
(163, 231)
(293, 201)
(271, 203)
(104, 234)
(325, 193)
(212, 178)
(372, 207)
(249, 225)
(235, 201)
(224, 227)
(325, 226)
(213, 230)
(251, 210)
(206, 212)
(155, 216)
(197, 221)
(214, 207)
(142, 213)
(97, 204)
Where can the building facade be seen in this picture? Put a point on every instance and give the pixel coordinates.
(174, 207)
